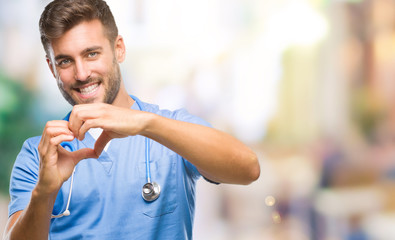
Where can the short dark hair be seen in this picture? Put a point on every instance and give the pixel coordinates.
(59, 16)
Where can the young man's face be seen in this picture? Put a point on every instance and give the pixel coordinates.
(86, 64)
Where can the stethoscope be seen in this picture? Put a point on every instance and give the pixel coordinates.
(150, 191)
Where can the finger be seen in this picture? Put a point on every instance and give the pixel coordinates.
(101, 143)
(77, 118)
(73, 158)
(88, 124)
(52, 127)
(75, 123)
(57, 123)
(55, 142)
(82, 113)
(82, 154)
(53, 130)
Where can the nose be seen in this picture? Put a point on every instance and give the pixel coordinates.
(81, 71)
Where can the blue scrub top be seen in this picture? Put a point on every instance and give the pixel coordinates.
(106, 201)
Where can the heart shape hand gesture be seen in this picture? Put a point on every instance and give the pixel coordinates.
(57, 164)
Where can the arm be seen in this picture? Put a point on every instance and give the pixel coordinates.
(56, 166)
(34, 221)
(217, 155)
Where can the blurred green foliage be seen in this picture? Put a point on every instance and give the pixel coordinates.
(16, 124)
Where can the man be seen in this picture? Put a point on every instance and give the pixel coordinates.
(55, 195)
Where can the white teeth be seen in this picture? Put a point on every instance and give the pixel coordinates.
(89, 90)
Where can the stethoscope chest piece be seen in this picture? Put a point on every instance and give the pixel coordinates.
(150, 191)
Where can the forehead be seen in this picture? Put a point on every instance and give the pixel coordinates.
(82, 36)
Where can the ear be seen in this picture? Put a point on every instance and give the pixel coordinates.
(50, 66)
(120, 49)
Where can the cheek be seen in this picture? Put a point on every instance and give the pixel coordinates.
(65, 78)
(102, 70)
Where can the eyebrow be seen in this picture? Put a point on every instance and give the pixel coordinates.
(87, 50)
(92, 49)
(61, 56)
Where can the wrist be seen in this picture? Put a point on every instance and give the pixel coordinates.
(148, 124)
(42, 192)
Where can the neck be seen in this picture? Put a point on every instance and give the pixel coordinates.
(123, 99)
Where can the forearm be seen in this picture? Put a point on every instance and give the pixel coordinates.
(33, 223)
(218, 156)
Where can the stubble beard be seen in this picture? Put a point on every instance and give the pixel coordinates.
(111, 91)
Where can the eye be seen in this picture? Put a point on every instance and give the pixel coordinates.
(92, 54)
(64, 62)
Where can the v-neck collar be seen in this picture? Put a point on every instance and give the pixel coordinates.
(89, 142)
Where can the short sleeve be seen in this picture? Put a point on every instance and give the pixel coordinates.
(184, 115)
(24, 176)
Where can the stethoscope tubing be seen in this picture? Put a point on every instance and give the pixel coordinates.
(147, 142)
(155, 187)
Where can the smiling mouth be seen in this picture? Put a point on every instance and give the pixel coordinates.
(89, 89)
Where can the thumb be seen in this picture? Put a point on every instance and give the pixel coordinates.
(83, 154)
(101, 143)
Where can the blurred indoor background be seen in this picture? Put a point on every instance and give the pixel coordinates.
(309, 85)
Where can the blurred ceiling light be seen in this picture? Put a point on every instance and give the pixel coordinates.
(297, 24)
(270, 201)
(276, 217)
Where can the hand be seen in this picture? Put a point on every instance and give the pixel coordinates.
(56, 163)
(116, 122)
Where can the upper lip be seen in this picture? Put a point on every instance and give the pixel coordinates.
(86, 85)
